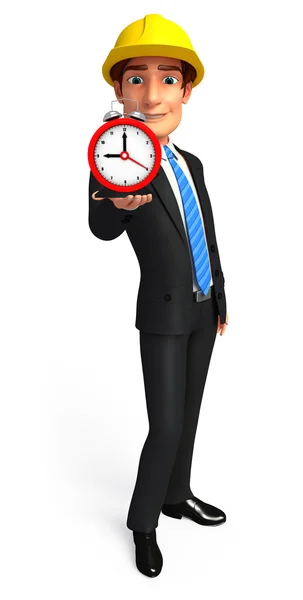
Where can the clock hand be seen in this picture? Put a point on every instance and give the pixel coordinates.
(137, 163)
(124, 136)
(126, 157)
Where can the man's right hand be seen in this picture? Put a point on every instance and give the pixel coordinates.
(128, 202)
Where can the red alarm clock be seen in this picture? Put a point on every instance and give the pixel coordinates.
(124, 154)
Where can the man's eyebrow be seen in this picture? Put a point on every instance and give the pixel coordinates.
(169, 68)
(135, 68)
(145, 68)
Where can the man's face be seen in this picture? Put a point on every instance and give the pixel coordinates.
(155, 82)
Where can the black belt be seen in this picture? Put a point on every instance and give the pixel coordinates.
(198, 296)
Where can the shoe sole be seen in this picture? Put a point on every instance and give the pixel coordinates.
(178, 516)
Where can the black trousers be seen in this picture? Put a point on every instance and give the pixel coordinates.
(175, 368)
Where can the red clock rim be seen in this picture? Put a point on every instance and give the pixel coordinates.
(151, 135)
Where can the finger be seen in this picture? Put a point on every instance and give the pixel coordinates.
(94, 197)
(134, 200)
(131, 199)
(120, 202)
(122, 199)
(219, 324)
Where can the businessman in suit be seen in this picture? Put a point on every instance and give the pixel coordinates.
(177, 320)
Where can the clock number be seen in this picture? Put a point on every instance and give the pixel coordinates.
(137, 132)
(138, 177)
(102, 142)
(111, 176)
(124, 180)
(150, 156)
(124, 128)
(147, 141)
(111, 132)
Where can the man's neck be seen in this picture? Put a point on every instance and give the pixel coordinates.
(163, 141)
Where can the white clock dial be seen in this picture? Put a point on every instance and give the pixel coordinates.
(139, 148)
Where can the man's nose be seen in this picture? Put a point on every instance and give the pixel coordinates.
(152, 94)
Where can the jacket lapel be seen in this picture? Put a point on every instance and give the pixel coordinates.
(166, 195)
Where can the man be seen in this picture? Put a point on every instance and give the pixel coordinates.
(181, 303)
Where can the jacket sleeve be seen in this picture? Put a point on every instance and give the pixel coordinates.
(206, 196)
(106, 221)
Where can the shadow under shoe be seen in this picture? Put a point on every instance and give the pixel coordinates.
(149, 559)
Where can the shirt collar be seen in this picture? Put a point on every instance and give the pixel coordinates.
(171, 146)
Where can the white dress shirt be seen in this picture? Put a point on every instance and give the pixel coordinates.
(169, 172)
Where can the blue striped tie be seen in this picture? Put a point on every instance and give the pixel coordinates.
(194, 225)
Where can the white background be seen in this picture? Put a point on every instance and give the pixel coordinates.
(73, 416)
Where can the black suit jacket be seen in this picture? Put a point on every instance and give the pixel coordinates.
(157, 234)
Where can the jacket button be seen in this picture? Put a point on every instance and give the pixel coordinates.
(213, 249)
(217, 273)
(219, 295)
(127, 218)
(167, 297)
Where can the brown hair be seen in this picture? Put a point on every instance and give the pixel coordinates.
(188, 71)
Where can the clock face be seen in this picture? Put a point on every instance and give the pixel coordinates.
(126, 154)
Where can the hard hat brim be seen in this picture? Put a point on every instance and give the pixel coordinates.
(131, 51)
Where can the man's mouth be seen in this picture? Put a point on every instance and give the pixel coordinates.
(155, 116)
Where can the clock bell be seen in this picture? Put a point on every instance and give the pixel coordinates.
(114, 114)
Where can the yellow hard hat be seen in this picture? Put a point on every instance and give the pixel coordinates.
(153, 36)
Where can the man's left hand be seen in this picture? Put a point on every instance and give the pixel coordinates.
(222, 327)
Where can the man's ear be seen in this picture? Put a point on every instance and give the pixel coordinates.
(188, 92)
(118, 91)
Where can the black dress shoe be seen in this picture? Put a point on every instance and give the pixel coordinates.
(196, 510)
(149, 559)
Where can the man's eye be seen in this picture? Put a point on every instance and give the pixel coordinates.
(136, 77)
(169, 77)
